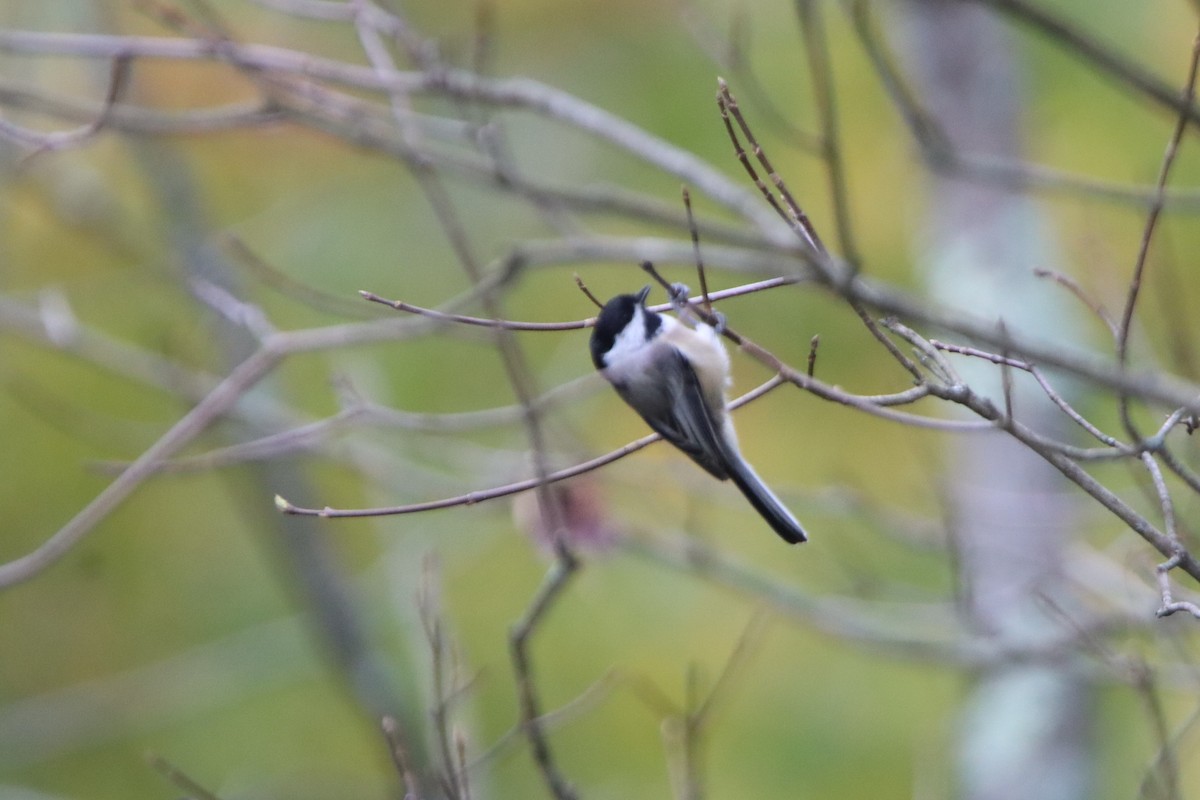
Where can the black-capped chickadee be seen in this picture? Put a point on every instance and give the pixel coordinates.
(675, 377)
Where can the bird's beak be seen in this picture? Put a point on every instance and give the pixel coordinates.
(643, 294)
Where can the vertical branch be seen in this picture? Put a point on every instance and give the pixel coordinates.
(816, 47)
(549, 501)
(691, 223)
(682, 735)
(556, 580)
(688, 729)
(1011, 525)
(460, 747)
(400, 759)
(429, 608)
(521, 381)
(925, 128)
(1006, 378)
(1163, 773)
(1169, 605)
(1156, 207)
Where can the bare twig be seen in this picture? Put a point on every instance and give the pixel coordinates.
(441, 673)
(1169, 605)
(1135, 283)
(587, 292)
(460, 747)
(1104, 59)
(799, 220)
(286, 285)
(1072, 286)
(691, 220)
(400, 305)
(1042, 381)
(219, 400)
(1165, 764)
(1004, 172)
(690, 725)
(794, 215)
(399, 754)
(118, 79)
(1156, 208)
(553, 585)
(525, 94)
(820, 70)
(180, 779)
(585, 701)
(731, 54)
(472, 498)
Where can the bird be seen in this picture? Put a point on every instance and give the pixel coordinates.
(674, 375)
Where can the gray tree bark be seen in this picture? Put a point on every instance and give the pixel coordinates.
(1023, 729)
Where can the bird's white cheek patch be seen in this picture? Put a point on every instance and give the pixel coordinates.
(629, 342)
(630, 367)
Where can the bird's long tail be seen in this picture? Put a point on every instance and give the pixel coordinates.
(765, 502)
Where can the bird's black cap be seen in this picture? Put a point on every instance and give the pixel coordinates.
(613, 319)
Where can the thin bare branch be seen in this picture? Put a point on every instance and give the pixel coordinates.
(399, 754)
(691, 224)
(794, 216)
(1072, 286)
(471, 498)
(820, 70)
(553, 585)
(179, 779)
(1104, 59)
(1156, 208)
(463, 319)
(118, 79)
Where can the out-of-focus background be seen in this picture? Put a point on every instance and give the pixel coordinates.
(197, 232)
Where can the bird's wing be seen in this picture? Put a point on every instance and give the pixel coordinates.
(682, 418)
